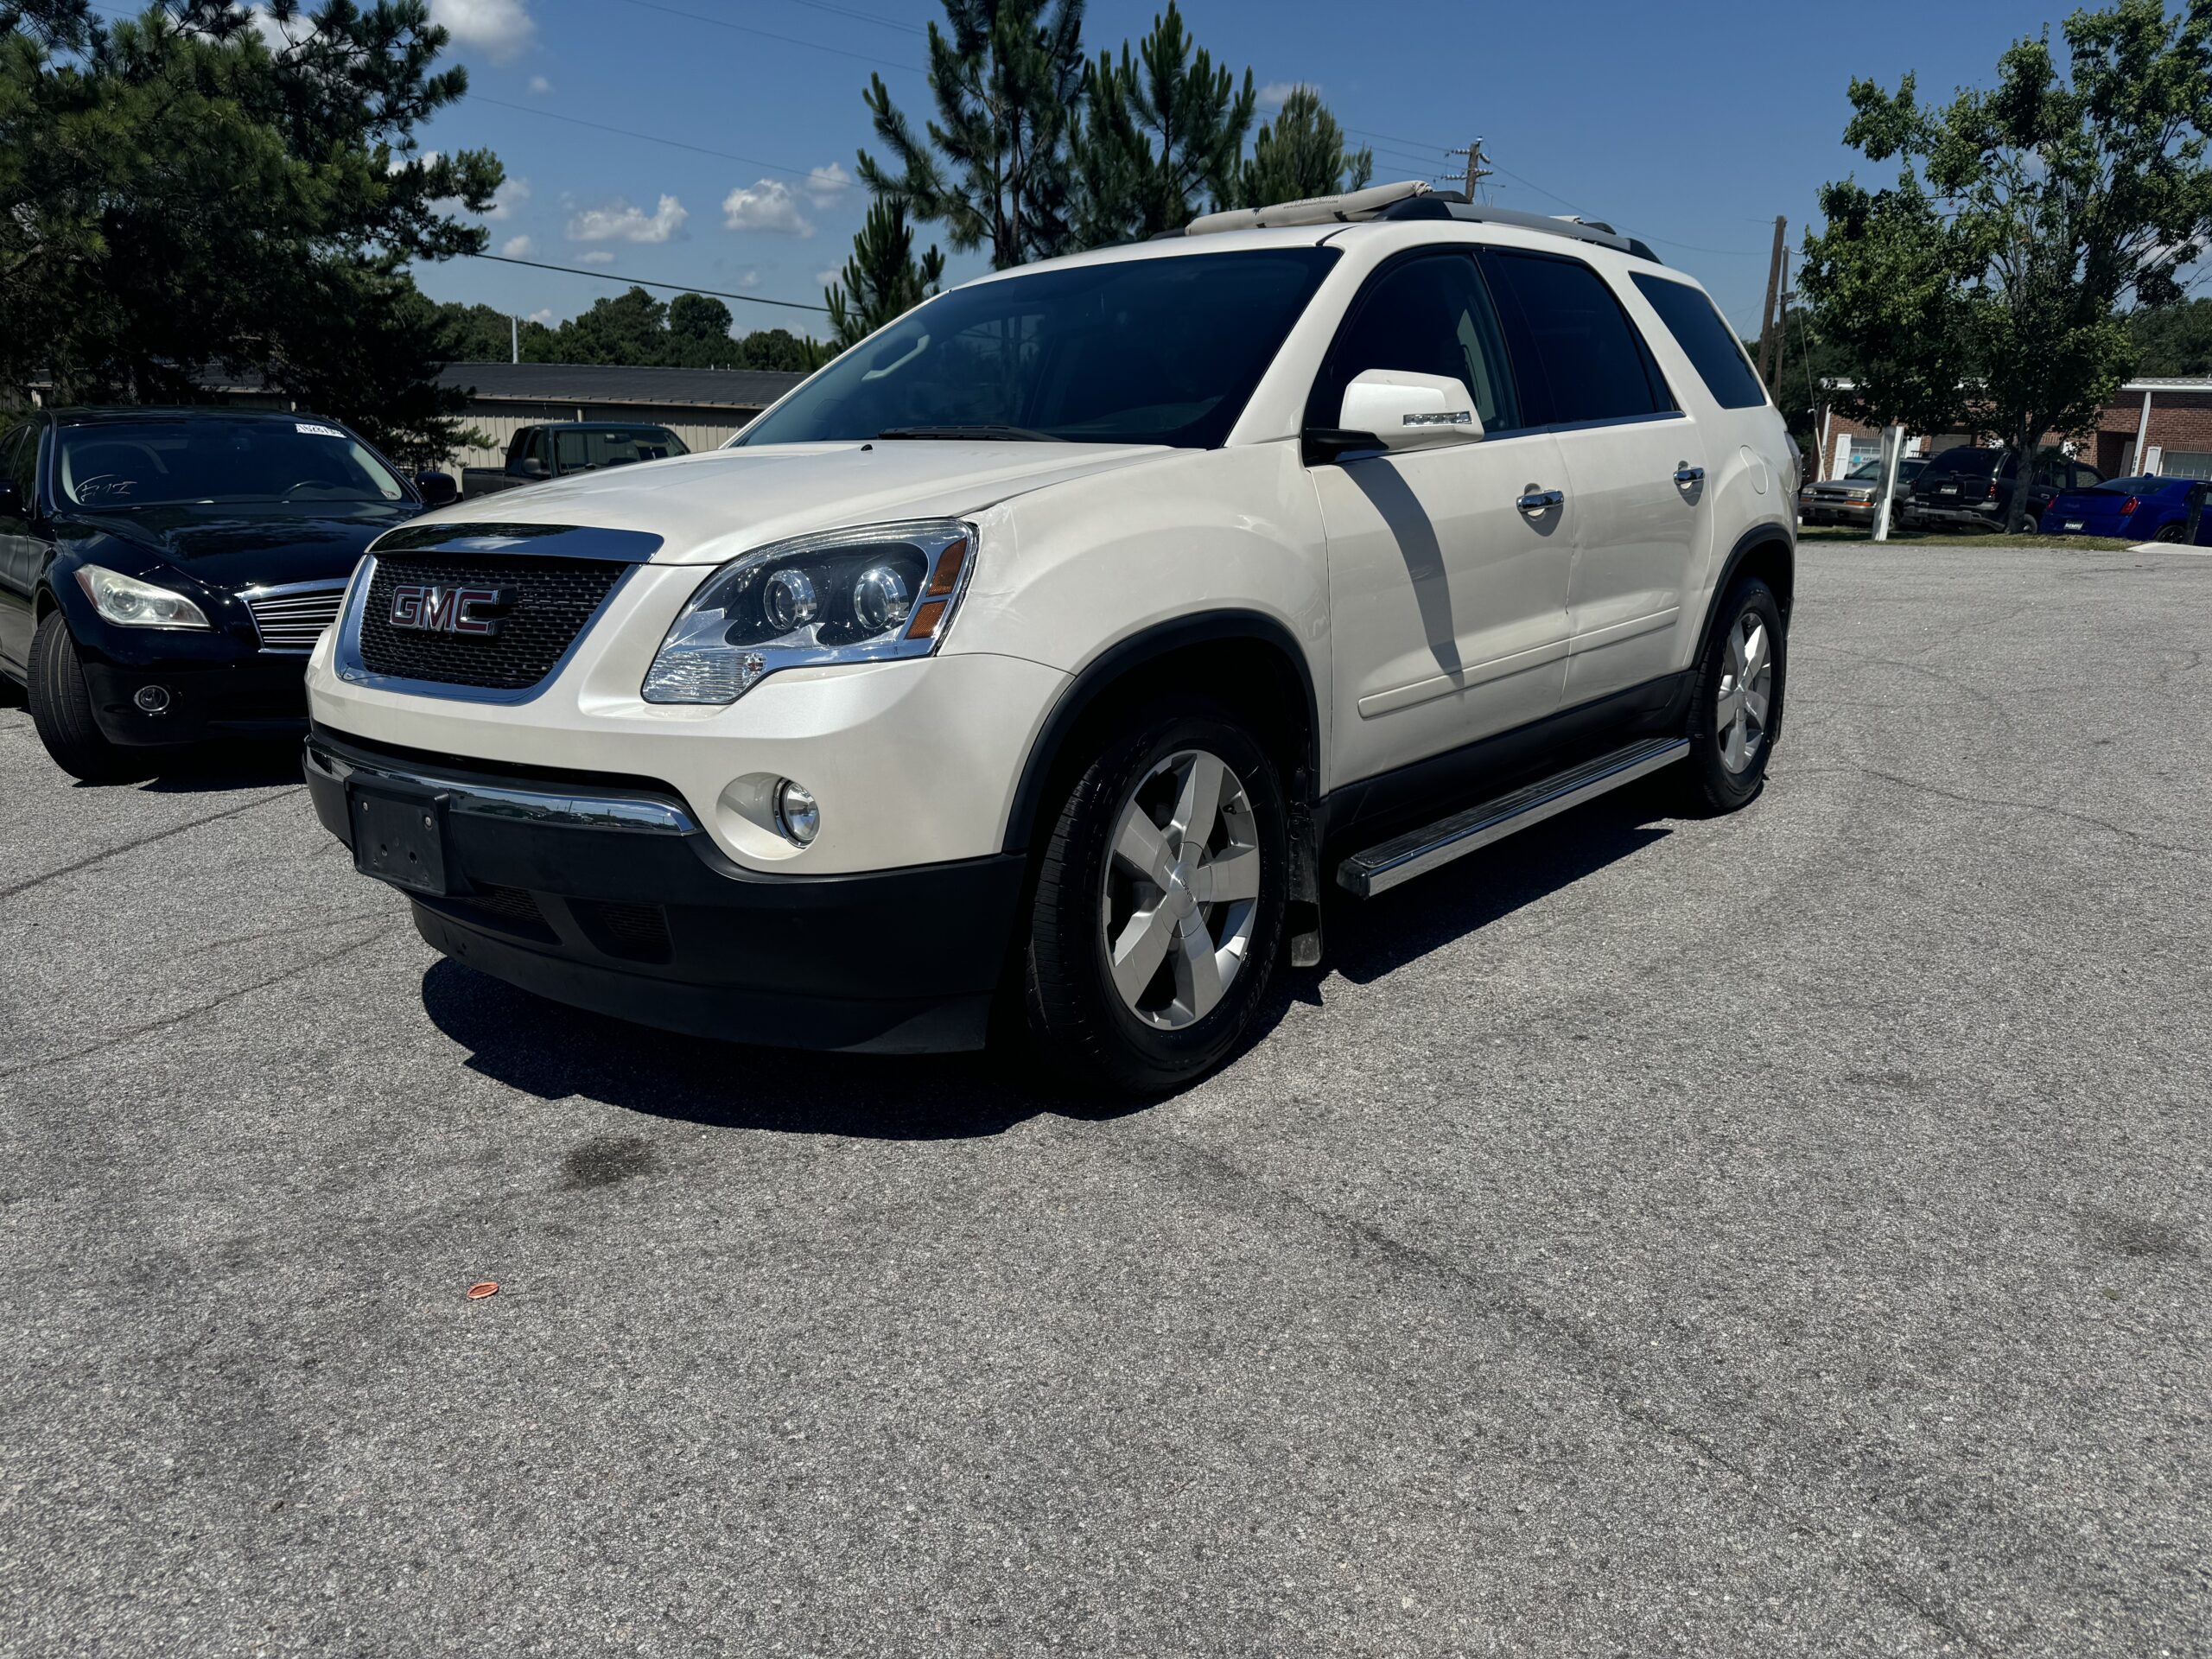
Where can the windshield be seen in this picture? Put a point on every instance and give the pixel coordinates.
(1134, 351)
(201, 461)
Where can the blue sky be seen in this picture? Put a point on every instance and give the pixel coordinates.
(1690, 124)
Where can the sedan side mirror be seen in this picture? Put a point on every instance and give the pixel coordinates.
(438, 489)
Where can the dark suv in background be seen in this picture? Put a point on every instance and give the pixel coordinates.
(1971, 488)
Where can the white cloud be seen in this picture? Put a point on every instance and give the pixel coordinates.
(620, 222)
(517, 247)
(768, 205)
(539, 85)
(599, 257)
(272, 35)
(831, 275)
(511, 195)
(826, 183)
(1272, 94)
(748, 280)
(498, 28)
(543, 314)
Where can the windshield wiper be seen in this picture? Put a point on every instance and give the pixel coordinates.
(976, 429)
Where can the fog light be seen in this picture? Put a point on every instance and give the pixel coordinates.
(153, 699)
(797, 815)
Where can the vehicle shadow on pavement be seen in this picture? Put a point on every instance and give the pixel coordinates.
(551, 1051)
(1369, 940)
(230, 765)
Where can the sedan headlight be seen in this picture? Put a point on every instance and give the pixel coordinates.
(130, 603)
(870, 594)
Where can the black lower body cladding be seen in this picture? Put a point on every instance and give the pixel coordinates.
(622, 905)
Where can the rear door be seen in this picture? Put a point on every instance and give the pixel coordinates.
(1635, 467)
(1448, 600)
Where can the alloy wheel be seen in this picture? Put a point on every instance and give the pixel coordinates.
(1181, 889)
(1747, 692)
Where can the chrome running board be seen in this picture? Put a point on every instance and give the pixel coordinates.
(1419, 851)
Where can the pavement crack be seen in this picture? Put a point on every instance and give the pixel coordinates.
(131, 1032)
(90, 858)
(2035, 808)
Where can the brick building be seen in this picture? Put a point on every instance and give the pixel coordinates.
(2167, 422)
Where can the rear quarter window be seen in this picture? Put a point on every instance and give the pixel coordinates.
(1706, 339)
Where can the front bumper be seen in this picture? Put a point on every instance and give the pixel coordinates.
(605, 893)
(250, 696)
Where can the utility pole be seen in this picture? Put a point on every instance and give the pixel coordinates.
(1477, 168)
(1767, 342)
(514, 338)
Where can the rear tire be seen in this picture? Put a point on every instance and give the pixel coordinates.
(1736, 704)
(61, 709)
(1159, 904)
(2168, 533)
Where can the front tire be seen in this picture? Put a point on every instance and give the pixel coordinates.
(1159, 904)
(1736, 704)
(61, 709)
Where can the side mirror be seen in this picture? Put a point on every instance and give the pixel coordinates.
(438, 489)
(1406, 410)
(532, 467)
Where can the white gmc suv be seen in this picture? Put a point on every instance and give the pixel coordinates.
(1047, 653)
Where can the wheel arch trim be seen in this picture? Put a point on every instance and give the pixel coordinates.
(1767, 533)
(1126, 656)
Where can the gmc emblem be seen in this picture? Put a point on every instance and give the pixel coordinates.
(447, 610)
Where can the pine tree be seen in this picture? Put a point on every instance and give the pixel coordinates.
(1301, 153)
(995, 168)
(1163, 133)
(882, 280)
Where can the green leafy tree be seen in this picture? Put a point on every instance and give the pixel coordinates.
(179, 194)
(483, 334)
(882, 280)
(2176, 340)
(1987, 287)
(1163, 133)
(780, 348)
(994, 167)
(698, 334)
(629, 327)
(1301, 153)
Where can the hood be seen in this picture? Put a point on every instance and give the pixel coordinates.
(240, 544)
(708, 508)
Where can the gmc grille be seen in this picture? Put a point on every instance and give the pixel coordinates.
(292, 621)
(554, 599)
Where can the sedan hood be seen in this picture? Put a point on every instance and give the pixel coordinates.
(708, 508)
(233, 545)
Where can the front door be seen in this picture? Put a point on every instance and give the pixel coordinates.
(19, 549)
(1448, 600)
(1635, 466)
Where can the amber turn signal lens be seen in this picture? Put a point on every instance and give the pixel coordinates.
(946, 577)
(925, 620)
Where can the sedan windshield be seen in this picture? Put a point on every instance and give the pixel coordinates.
(1131, 351)
(204, 462)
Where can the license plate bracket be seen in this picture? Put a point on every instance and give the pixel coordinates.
(399, 837)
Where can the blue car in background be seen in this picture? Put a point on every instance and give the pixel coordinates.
(2144, 508)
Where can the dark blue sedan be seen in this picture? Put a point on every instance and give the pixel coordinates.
(2144, 508)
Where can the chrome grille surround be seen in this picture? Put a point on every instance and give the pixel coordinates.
(291, 618)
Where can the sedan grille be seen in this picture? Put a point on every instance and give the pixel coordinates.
(548, 602)
(292, 618)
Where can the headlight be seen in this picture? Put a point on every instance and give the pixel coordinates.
(130, 603)
(864, 595)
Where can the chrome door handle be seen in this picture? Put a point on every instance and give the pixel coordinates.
(1537, 503)
(1686, 474)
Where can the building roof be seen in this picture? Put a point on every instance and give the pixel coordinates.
(603, 383)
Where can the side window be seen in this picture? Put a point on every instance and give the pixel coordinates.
(1592, 363)
(518, 446)
(1430, 314)
(1709, 343)
(571, 450)
(23, 465)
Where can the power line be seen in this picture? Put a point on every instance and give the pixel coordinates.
(770, 35)
(864, 16)
(649, 138)
(644, 282)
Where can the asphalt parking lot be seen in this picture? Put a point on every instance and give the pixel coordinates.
(1778, 1235)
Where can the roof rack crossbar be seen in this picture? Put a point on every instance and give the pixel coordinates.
(1410, 199)
(1440, 204)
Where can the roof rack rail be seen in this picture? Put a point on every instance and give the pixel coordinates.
(1440, 204)
(1410, 199)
